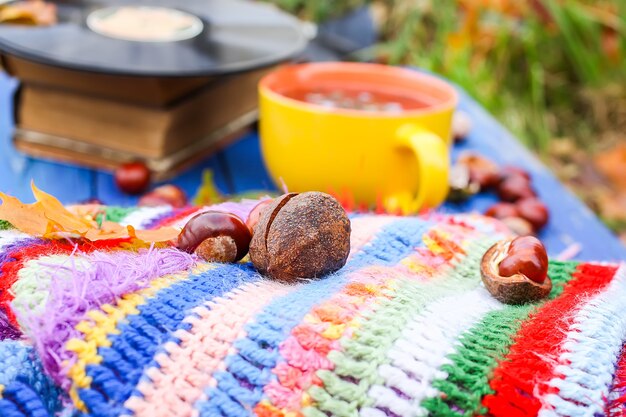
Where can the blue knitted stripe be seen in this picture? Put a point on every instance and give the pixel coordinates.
(25, 383)
(19, 399)
(240, 388)
(141, 335)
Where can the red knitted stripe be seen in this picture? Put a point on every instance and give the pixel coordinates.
(10, 269)
(616, 407)
(524, 372)
(176, 216)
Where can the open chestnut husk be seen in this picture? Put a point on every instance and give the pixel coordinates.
(215, 236)
(482, 170)
(301, 236)
(255, 214)
(514, 271)
(518, 225)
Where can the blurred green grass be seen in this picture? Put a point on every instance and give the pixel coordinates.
(546, 68)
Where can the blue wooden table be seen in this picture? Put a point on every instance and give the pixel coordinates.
(240, 168)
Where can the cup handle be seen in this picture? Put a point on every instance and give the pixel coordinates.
(433, 162)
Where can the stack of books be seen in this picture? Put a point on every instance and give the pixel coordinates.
(101, 120)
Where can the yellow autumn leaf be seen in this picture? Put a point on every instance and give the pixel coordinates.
(162, 234)
(108, 230)
(55, 211)
(50, 219)
(28, 218)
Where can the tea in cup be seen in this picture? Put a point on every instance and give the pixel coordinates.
(378, 133)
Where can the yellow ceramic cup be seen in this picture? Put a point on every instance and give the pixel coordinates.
(399, 160)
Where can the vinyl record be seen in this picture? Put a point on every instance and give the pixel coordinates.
(162, 38)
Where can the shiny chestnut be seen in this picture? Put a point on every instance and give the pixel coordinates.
(482, 171)
(515, 188)
(502, 211)
(518, 226)
(255, 214)
(515, 271)
(132, 178)
(508, 171)
(167, 194)
(216, 237)
(534, 211)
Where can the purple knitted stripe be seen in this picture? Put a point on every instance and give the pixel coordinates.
(7, 331)
(7, 251)
(241, 209)
(108, 276)
(158, 219)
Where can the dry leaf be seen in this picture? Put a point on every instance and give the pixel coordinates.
(108, 230)
(157, 235)
(90, 211)
(28, 218)
(50, 219)
(57, 213)
(33, 12)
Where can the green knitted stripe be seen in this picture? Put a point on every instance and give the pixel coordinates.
(480, 350)
(5, 225)
(115, 214)
(356, 366)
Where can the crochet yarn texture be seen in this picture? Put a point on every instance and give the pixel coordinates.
(406, 328)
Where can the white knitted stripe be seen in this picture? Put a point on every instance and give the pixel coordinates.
(144, 215)
(184, 220)
(590, 354)
(416, 358)
(32, 288)
(8, 237)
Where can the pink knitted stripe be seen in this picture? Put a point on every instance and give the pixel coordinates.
(305, 350)
(181, 379)
(187, 370)
(364, 229)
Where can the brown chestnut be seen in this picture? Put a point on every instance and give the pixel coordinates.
(301, 236)
(481, 170)
(167, 194)
(215, 236)
(534, 211)
(133, 177)
(515, 271)
(519, 226)
(508, 171)
(515, 188)
(255, 214)
(502, 211)
(461, 188)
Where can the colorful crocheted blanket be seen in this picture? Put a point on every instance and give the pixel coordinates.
(406, 328)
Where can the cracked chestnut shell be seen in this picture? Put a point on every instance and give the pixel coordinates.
(303, 235)
(482, 170)
(514, 271)
(215, 236)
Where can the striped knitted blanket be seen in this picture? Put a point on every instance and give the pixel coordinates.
(406, 328)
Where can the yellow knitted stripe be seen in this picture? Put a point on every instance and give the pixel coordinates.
(103, 322)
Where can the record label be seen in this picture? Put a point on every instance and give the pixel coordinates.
(144, 23)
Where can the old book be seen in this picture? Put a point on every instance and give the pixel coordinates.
(139, 90)
(146, 132)
(63, 149)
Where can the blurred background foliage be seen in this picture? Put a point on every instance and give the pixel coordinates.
(552, 71)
